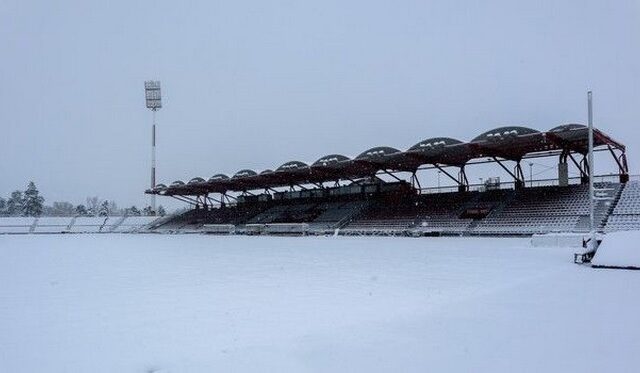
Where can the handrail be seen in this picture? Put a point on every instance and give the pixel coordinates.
(612, 178)
(480, 187)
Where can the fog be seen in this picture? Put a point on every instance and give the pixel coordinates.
(253, 84)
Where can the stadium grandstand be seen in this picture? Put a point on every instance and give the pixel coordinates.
(339, 195)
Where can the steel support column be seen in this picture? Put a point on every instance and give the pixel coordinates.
(392, 175)
(585, 167)
(415, 181)
(519, 181)
(516, 174)
(463, 182)
(621, 160)
(184, 199)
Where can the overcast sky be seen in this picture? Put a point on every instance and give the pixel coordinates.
(253, 84)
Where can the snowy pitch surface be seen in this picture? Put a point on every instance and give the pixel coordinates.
(191, 303)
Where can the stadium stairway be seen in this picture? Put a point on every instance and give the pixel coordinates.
(612, 206)
(33, 226)
(118, 223)
(603, 208)
(104, 224)
(71, 223)
(349, 218)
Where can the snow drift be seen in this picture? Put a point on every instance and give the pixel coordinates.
(619, 250)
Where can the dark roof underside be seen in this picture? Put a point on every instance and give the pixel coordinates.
(512, 142)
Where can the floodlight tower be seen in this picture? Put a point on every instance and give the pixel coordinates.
(154, 102)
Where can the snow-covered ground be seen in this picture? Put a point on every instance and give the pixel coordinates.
(619, 249)
(192, 303)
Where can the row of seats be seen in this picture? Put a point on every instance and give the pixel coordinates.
(434, 212)
(626, 215)
(379, 224)
(528, 225)
(546, 209)
(623, 222)
(73, 224)
(321, 216)
(522, 211)
(443, 224)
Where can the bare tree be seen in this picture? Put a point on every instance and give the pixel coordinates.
(93, 205)
(113, 209)
(62, 209)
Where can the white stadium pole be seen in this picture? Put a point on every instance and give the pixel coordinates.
(153, 99)
(153, 160)
(592, 231)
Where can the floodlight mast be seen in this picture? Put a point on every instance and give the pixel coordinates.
(153, 99)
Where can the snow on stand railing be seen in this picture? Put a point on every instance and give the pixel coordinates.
(482, 187)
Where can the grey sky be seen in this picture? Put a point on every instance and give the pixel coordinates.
(252, 84)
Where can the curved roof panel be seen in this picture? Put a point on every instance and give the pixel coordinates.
(267, 171)
(377, 152)
(218, 177)
(434, 143)
(567, 127)
(504, 133)
(160, 187)
(177, 183)
(292, 166)
(244, 173)
(196, 180)
(329, 160)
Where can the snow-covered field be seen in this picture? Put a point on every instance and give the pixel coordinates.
(192, 303)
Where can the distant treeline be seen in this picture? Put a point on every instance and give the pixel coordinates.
(30, 203)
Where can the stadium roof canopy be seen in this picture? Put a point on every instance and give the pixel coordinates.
(503, 143)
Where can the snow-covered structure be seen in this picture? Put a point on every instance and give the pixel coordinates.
(370, 195)
(618, 250)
